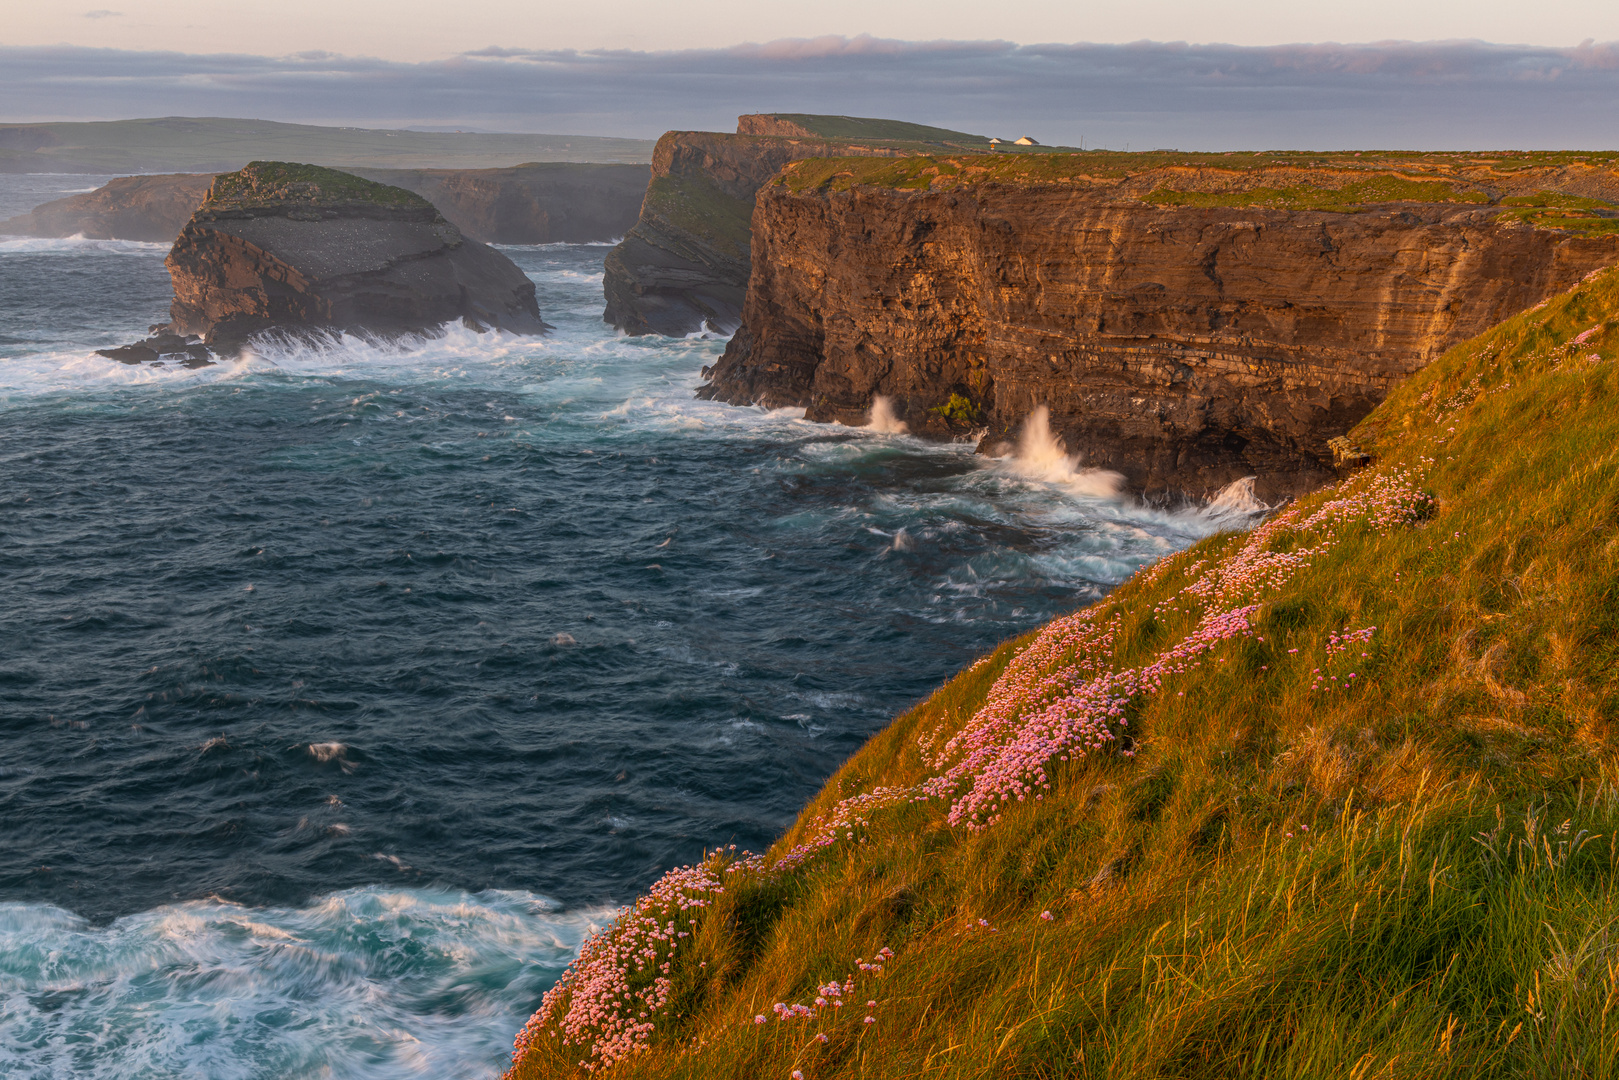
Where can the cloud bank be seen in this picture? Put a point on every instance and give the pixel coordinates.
(1390, 95)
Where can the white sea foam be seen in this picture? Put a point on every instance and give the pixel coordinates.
(77, 244)
(361, 985)
(1041, 455)
(882, 420)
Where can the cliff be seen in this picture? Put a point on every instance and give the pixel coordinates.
(685, 265)
(279, 246)
(148, 208)
(1188, 320)
(1331, 798)
(538, 203)
(549, 202)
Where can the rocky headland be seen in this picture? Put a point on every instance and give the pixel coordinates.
(538, 203)
(1189, 320)
(685, 265)
(148, 208)
(297, 249)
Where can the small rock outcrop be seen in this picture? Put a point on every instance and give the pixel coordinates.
(297, 248)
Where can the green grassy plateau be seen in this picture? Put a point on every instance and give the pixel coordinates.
(1562, 189)
(219, 144)
(279, 183)
(866, 128)
(1334, 798)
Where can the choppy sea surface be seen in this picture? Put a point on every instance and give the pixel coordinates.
(343, 689)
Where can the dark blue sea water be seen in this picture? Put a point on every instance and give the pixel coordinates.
(342, 689)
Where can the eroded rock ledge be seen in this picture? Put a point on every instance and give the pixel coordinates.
(1181, 342)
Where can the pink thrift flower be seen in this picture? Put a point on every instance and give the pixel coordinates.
(1046, 915)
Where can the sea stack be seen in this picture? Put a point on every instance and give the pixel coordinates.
(296, 248)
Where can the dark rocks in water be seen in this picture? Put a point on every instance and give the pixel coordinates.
(303, 249)
(161, 348)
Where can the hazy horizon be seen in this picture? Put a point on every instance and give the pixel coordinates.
(1443, 95)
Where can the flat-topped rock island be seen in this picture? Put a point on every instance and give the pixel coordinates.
(298, 249)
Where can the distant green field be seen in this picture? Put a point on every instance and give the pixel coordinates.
(215, 144)
(921, 136)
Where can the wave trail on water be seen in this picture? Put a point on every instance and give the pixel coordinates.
(365, 984)
(77, 244)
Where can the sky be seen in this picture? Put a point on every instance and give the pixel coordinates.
(1155, 73)
(416, 30)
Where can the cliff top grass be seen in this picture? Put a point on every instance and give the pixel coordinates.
(1536, 183)
(875, 129)
(285, 183)
(1332, 798)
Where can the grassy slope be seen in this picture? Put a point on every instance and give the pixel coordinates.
(210, 144)
(1410, 877)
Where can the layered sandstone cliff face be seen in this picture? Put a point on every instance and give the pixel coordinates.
(294, 248)
(684, 266)
(1179, 341)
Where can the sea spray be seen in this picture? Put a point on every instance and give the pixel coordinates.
(1041, 455)
(883, 421)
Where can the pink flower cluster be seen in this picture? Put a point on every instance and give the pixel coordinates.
(605, 1000)
(1060, 698)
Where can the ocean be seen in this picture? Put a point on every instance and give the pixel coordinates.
(344, 689)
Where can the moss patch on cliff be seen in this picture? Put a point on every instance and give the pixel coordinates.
(1362, 821)
(693, 204)
(277, 183)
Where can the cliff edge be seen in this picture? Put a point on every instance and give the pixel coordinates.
(1188, 320)
(281, 246)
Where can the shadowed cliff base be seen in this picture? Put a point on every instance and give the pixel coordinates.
(1189, 320)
